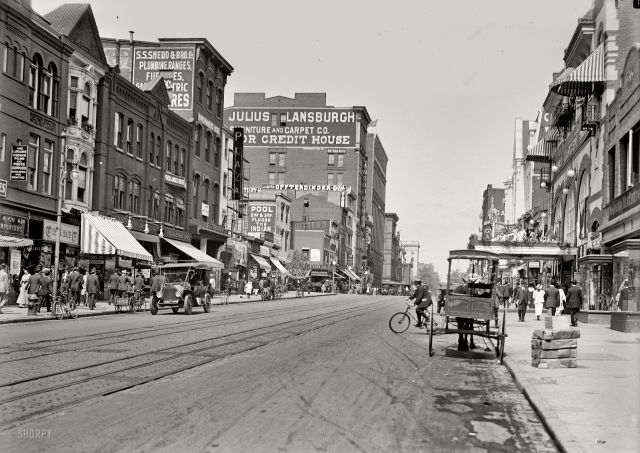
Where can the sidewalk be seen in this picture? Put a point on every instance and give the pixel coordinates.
(592, 408)
(14, 314)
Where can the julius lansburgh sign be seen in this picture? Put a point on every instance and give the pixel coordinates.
(295, 126)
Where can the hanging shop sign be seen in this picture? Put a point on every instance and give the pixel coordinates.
(69, 234)
(205, 210)
(3, 188)
(301, 127)
(15, 262)
(175, 180)
(19, 163)
(174, 64)
(262, 217)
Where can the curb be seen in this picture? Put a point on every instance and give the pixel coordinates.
(564, 440)
(103, 313)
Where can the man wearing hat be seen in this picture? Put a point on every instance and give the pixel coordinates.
(44, 289)
(422, 302)
(113, 285)
(75, 285)
(93, 286)
(124, 282)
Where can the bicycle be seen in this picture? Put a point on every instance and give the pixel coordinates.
(401, 321)
(62, 307)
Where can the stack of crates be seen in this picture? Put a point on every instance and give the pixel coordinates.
(556, 346)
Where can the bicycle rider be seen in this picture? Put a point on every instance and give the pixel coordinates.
(422, 301)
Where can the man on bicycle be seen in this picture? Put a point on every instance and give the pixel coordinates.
(422, 301)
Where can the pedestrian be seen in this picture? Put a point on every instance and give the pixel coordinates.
(32, 289)
(157, 286)
(574, 302)
(124, 283)
(5, 286)
(83, 288)
(248, 289)
(113, 285)
(507, 294)
(538, 301)
(75, 285)
(24, 284)
(520, 298)
(499, 295)
(551, 298)
(563, 300)
(92, 288)
(45, 284)
(495, 304)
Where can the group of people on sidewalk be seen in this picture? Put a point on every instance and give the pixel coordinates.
(553, 298)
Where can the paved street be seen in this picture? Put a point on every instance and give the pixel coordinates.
(321, 373)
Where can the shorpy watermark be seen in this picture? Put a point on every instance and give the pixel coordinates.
(34, 433)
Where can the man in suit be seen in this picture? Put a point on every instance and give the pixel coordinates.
(521, 299)
(574, 302)
(113, 285)
(551, 298)
(45, 286)
(422, 302)
(75, 285)
(93, 286)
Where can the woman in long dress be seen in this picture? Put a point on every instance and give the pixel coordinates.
(538, 301)
(563, 299)
(24, 282)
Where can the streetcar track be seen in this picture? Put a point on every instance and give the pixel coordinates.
(251, 341)
(163, 350)
(159, 331)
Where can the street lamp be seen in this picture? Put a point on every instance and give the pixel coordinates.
(61, 194)
(333, 275)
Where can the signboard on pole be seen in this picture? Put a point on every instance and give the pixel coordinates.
(238, 164)
(19, 163)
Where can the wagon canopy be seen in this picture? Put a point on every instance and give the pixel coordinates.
(471, 254)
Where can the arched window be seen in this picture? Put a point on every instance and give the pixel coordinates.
(218, 152)
(183, 159)
(168, 156)
(205, 196)
(35, 80)
(152, 148)
(130, 136)
(139, 135)
(207, 146)
(219, 97)
(156, 205)
(570, 219)
(118, 130)
(196, 195)
(85, 106)
(176, 160)
(210, 91)
(583, 206)
(216, 201)
(158, 151)
(180, 211)
(83, 179)
(198, 139)
(200, 83)
(119, 187)
(55, 90)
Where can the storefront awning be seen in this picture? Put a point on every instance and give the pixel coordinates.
(264, 264)
(106, 236)
(352, 275)
(279, 266)
(194, 253)
(13, 242)
(581, 81)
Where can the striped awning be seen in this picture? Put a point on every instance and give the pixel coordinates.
(541, 151)
(264, 264)
(279, 266)
(582, 80)
(106, 236)
(194, 253)
(13, 242)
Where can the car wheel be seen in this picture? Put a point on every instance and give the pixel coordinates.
(175, 309)
(188, 304)
(207, 303)
(154, 307)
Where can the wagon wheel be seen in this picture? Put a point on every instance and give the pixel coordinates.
(503, 336)
(431, 334)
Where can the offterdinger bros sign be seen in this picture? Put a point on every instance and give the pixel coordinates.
(175, 64)
(262, 217)
(301, 127)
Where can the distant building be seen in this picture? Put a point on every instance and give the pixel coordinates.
(492, 212)
(412, 258)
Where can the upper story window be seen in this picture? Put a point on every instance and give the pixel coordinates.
(130, 136)
(168, 156)
(158, 151)
(119, 186)
(219, 104)
(207, 146)
(198, 139)
(33, 156)
(83, 179)
(332, 159)
(199, 86)
(134, 196)
(183, 158)
(218, 152)
(139, 135)
(118, 130)
(85, 105)
(43, 87)
(210, 91)
(340, 160)
(176, 160)
(152, 147)
(47, 167)
(13, 62)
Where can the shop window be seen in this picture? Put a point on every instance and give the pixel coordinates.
(33, 155)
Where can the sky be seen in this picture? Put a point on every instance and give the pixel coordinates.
(445, 80)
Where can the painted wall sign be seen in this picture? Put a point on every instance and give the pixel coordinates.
(302, 127)
(13, 225)
(3, 188)
(175, 64)
(262, 218)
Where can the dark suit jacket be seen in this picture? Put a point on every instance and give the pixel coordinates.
(574, 297)
(421, 294)
(45, 285)
(93, 284)
(520, 296)
(552, 297)
(75, 281)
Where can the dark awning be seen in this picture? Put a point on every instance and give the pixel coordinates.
(582, 80)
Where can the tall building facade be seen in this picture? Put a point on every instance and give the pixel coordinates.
(412, 258)
(310, 151)
(376, 196)
(195, 74)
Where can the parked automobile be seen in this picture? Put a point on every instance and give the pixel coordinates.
(185, 287)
